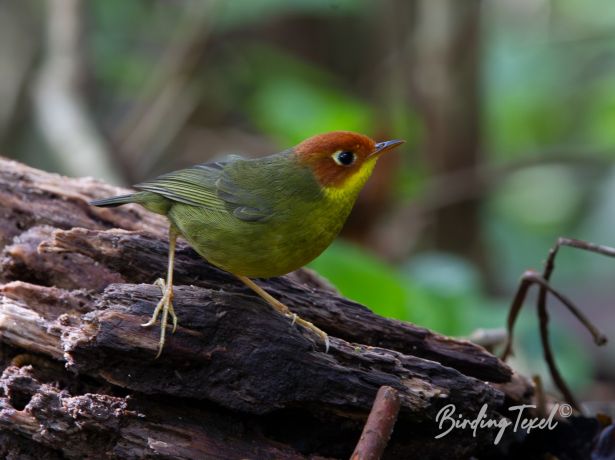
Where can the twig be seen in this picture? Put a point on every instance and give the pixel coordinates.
(547, 351)
(543, 316)
(379, 425)
(488, 338)
(529, 278)
(541, 398)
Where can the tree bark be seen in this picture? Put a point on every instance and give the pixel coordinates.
(236, 380)
(446, 88)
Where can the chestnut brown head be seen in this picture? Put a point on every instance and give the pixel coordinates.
(342, 159)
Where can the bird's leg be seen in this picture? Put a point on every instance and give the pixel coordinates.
(283, 309)
(166, 302)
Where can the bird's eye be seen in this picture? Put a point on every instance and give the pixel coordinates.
(344, 158)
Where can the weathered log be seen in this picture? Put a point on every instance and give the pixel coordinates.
(98, 425)
(227, 349)
(333, 313)
(236, 380)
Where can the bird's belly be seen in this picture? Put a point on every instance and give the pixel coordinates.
(256, 249)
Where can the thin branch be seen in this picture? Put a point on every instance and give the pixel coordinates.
(541, 398)
(379, 425)
(543, 315)
(547, 351)
(488, 338)
(529, 278)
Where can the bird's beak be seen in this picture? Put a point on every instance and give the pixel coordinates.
(382, 147)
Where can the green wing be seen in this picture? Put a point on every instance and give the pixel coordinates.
(226, 186)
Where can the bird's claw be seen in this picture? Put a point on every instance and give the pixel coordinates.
(283, 310)
(306, 324)
(165, 304)
(161, 283)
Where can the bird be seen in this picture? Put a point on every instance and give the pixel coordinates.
(260, 217)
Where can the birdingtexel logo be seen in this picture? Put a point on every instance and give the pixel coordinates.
(447, 420)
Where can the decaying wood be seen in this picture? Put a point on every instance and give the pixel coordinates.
(80, 426)
(236, 380)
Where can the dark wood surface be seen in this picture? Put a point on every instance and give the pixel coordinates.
(236, 380)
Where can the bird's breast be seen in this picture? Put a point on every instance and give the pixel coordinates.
(303, 221)
(294, 235)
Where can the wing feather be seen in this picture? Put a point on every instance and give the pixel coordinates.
(215, 187)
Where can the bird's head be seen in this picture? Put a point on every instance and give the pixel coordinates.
(342, 161)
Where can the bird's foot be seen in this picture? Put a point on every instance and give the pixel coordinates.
(306, 324)
(296, 319)
(283, 309)
(165, 305)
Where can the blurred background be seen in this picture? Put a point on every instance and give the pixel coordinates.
(507, 106)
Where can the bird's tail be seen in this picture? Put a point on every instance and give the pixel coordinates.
(114, 201)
